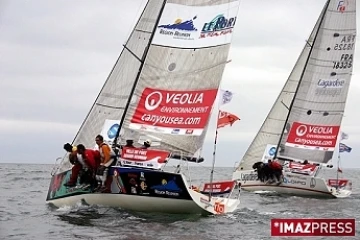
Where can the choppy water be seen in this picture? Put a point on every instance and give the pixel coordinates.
(24, 214)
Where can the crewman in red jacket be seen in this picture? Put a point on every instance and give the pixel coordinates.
(276, 168)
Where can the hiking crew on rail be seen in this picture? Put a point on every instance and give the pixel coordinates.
(91, 166)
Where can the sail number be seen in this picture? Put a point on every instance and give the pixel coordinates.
(347, 43)
(219, 207)
(346, 61)
(342, 65)
(344, 46)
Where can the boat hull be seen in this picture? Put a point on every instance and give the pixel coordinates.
(140, 190)
(130, 202)
(292, 184)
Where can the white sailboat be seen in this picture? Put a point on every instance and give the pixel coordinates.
(162, 88)
(304, 122)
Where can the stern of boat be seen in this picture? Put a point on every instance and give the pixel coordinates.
(221, 201)
(340, 188)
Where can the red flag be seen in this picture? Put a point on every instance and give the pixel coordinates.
(339, 170)
(225, 119)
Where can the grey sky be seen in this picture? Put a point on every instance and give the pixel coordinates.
(56, 55)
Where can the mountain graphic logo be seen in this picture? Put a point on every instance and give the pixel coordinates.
(167, 186)
(178, 24)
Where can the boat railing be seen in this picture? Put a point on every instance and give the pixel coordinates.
(235, 166)
(179, 155)
(56, 166)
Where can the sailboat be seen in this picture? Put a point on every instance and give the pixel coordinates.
(162, 90)
(304, 122)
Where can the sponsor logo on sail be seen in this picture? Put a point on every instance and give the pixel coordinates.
(335, 83)
(272, 151)
(301, 130)
(189, 131)
(174, 109)
(153, 100)
(175, 131)
(306, 135)
(330, 87)
(111, 133)
(179, 29)
(341, 7)
(218, 26)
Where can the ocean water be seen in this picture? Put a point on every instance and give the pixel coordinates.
(25, 215)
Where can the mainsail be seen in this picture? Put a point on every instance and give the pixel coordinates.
(317, 109)
(175, 92)
(165, 81)
(270, 132)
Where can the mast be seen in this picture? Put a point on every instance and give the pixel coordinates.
(302, 76)
(138, 74)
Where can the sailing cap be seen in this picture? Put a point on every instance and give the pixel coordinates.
(148, 141)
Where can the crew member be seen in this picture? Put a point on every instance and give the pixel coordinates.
(108, 158)
(147, 144)
(72, 150)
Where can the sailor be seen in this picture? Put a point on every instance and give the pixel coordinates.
(90, 161)
(258, 167)
(306, 162)
(108, 158)
(75, 170)
(147, 144)
(276, 168)
(267, 171)
(129, 143)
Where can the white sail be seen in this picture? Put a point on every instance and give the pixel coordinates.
(181, 75)
(178, 50)
(317, 110)
(270, 132)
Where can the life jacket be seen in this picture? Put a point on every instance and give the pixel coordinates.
(112, 153)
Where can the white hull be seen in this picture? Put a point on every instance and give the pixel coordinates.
(131, 202)
(293, 184)
(196, 203)
(149, 204)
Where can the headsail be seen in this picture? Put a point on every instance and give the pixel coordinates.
(318, 106)
(111, 101)
(175, 92)
(269, 134)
